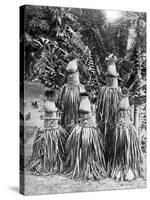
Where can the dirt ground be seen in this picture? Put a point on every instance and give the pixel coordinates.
(59, 183)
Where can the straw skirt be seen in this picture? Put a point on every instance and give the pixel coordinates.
(85, 154)
(68, 103)
(125, 156)
(48, 151)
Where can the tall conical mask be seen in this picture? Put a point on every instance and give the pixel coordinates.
(50, 106)
(124, 103)
(85, 105)
(52, 114)
(73, 75)
(111, 74)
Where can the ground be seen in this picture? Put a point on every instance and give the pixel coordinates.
(59, 183)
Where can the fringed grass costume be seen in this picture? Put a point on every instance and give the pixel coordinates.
(84, 147)
(49, 145)
(108, 98)
(125, 157)
(108, 102)
(69, 98)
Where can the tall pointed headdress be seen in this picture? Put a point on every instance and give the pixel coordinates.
(111, 66)
(111, 75)
(73, 75)
(124, 102)
(85, 106)
(50, 106)
(72, 66)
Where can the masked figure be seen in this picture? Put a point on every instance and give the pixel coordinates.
(108, 101)
(84, 146)
(125, 157)
(49, 145)
(69, 98)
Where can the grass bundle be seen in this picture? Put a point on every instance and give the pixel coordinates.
(68, 102)
(124, 151)
(48, 151)
(107, 108)
(85, 154)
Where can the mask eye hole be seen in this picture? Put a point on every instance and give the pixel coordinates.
(72, 121)
(85, 123)
(51, 123)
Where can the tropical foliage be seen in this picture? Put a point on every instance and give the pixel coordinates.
(55, 35)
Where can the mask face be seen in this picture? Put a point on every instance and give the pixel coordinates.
(85, 123)
(51, 119)
(111, 82)
(73, 78)
(86, 120)
(51, 123)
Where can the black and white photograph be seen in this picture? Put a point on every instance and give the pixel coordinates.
(83, 111)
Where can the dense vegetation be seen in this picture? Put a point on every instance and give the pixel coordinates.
(54, 35)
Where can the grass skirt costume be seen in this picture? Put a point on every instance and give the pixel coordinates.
(84, 148)
(108, 98)
(108, 102)
(107, 107)
(69, 97)
(49, 145)
(125, 156)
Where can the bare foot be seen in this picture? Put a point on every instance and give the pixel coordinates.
(129, 176)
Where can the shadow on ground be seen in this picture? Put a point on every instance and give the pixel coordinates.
(14, 189)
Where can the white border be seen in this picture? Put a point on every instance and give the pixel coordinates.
(9, 100)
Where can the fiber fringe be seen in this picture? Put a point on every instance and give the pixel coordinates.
(85, 159)
(48, 151)
(124, 151)
(68, 102)
(107, 108)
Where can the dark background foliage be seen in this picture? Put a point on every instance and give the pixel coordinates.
(54, 35)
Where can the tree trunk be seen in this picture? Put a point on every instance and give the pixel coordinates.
(136, 118)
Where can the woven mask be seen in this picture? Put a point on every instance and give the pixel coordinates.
(51, 116)
(73, 78)
(124, 103)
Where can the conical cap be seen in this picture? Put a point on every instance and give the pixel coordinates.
(111, 65)
(124, 103)
(85, 105)
(72, 67)
(50, 106)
